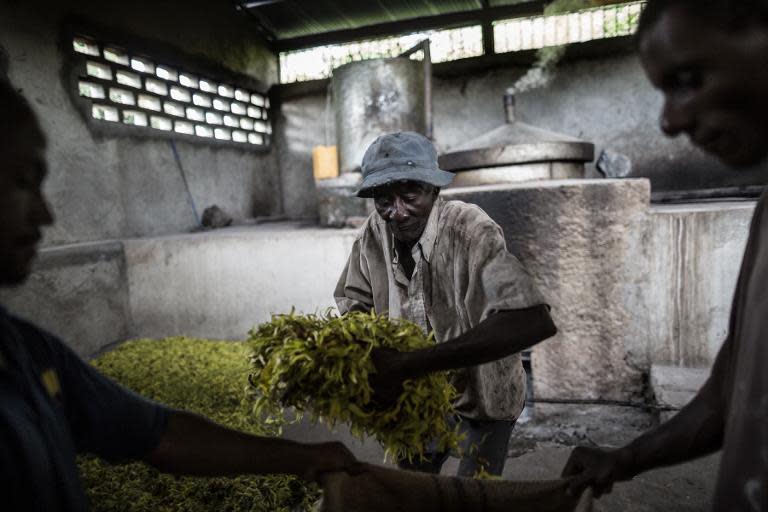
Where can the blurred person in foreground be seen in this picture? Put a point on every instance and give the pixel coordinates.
(709, 59)
(53, 405)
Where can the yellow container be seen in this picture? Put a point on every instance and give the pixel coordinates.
(325, 162)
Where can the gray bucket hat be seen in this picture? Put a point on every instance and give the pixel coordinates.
(401, 156)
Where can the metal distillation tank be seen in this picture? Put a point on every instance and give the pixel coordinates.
(517, 151)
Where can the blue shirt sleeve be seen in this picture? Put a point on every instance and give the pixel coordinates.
(105, 418)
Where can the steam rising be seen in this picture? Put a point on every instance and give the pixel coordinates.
(542, 72)
(545, 68)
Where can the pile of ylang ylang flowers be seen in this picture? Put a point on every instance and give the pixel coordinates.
(206, 377)
(320, 364)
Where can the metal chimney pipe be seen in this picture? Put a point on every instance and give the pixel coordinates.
(509, 106)
(423, 45)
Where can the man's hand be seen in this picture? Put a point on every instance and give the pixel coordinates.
(332, 457)
(597, 468)
(387, 382)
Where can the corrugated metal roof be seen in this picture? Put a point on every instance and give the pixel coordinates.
(500, 3)
(297, 18)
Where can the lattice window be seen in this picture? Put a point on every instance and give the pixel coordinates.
(135, 90)
(316, 63)
(585, 25)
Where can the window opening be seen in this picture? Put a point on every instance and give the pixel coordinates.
(231, 121)
(91, 90)
(149, 102)
(135, 117)
(85, 46)
(121, 96)
(203, 131)
(195, 114)
(167, 73)
(128, 78)
(135, 90)
(220, 104)
(184, 127)
(189, 81)
(316, 63)
(98, 70)
(533, 33)
(161, 123)
(180, 94)
(142, 65)
(174, 109)
(157, 86)
(222, 134)
(105, 113)
(117, 56)
(213, 118)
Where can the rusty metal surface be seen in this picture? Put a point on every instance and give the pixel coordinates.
(374, 97)
(516, 143)
(426, 60)
(521, 153)
(518, 173)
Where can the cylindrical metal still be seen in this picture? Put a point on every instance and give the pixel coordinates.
(374, 97)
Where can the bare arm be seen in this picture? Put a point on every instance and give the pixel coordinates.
(695, 431)
(193, 445)
(501, 334)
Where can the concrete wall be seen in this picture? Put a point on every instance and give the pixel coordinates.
(104, 187)
(607, 101)
(80, 293)
(583, 243)
(630, 285)
(221, 284)
(696, 252)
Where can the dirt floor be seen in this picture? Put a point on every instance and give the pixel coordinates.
(541, 445)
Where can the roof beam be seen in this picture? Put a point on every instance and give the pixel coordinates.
(482, 16)
(259, 3)
(259, 22)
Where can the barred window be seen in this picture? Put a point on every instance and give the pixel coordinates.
(585, 25)
(135, 90)
(316, 63)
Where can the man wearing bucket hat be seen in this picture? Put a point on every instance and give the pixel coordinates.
(444, 265)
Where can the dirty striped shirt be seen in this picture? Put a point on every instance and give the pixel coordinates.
(463, 273)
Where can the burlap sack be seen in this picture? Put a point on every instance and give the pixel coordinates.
(380, 489)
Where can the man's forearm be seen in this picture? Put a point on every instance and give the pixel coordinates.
(695, 431)
(193, 445)
(501, 334)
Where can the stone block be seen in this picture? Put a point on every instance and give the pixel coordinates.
(583, 242)
(674, 386)
(696, 254)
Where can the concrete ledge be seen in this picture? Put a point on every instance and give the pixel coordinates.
(220, 284)
(630, 285)
(673, 387)
(80, 293)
